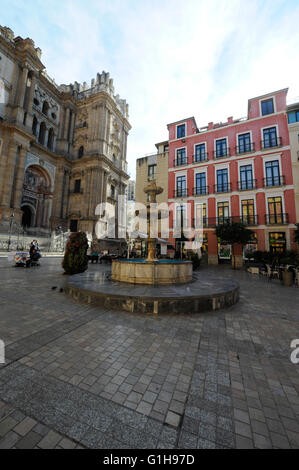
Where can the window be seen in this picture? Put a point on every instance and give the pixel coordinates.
(50, 139)
(272, 173)
(200, 179)
(221, 148)
(200, 215)
(244, 144)
(181, 131)
(181, 189)
(277, 242)
(275, 215)
(180, 217)
(181, 158)
(166, 148)
(267, 107)
(248, 211)
(42, 133)
(81, 151)
(34, 125)
(222, 180)
(222, 212)
(112, 192)
(151, 172)
(246, 181)
(270, 137)
(77, 188)
(200, 153)
(293, 116)
(74, 225)
(45, 108)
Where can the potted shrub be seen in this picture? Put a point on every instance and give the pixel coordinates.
(75, 257)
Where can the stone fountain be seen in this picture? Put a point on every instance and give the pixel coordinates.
(151, 270)
(161, 286)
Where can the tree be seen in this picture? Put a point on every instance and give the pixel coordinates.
(234, 233)
(75, 257)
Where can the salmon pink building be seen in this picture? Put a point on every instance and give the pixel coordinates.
(240, 170)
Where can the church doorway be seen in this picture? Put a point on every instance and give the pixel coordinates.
(27, 218)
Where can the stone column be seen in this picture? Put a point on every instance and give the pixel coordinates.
(19, 179)
(9, 174)
(22, 87)
(29, 102)
(66, 123)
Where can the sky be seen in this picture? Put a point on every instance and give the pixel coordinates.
(170, 59)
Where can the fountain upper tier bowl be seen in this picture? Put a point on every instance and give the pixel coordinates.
(156, 272)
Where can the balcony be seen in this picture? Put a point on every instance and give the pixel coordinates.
(271, 181)
(223, 188)
(180, 193)
(180, 161)
(200, 158)
(246, 220)
(249, 219)
(246, 148)
(270, 143)
(246, 185)
(276, 219)
(197, 223)
(221, 153)
(200, 191)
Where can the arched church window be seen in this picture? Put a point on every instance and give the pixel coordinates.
(81, 151)
(50, 139)
(45, 108)
(34, 125)
(42, 132)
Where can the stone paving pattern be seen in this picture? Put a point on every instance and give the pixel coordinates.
(82, 376)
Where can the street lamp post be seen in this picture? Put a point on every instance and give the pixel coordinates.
(10, 227)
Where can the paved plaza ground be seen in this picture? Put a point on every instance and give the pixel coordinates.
(80, 376)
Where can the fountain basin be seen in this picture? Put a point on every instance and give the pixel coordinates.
(158, 272)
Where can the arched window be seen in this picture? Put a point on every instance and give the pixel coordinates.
(34, 125)
(45, 108)
(42, 132)
(50, 139)
(81, 151)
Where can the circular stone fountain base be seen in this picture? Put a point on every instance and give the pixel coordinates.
(139, 271)
(205, 293)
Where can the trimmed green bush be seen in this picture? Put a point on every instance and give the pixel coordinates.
(75, 258)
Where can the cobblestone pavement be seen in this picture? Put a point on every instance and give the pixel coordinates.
(81, 376)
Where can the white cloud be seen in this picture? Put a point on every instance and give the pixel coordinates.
(171, 59)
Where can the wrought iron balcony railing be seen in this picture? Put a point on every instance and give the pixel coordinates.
(272, 142)
(203, 157)
(180, 161)
(274, 181)
(222, 188)
(276, 219)
(245, 148)
(180, 193)
(249, 219)
(200, 190)
(244, 185)
(222, 153)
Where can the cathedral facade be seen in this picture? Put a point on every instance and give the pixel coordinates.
(62, 148)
